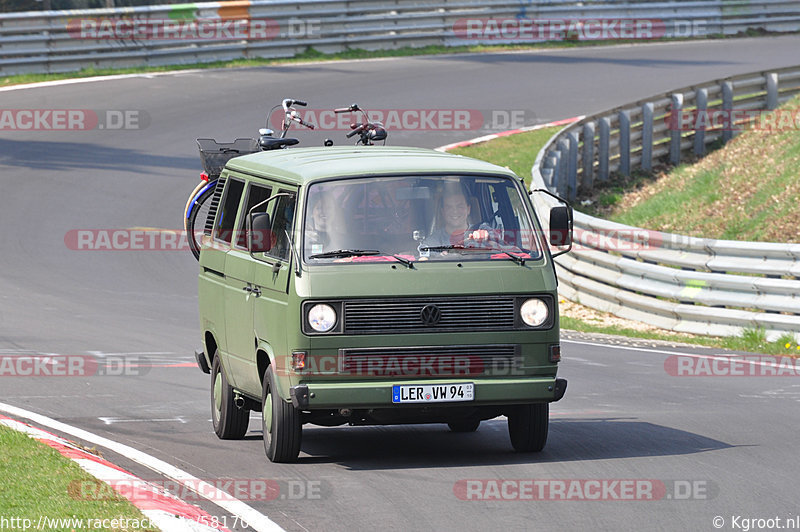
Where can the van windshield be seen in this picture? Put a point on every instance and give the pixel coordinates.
(418, 218)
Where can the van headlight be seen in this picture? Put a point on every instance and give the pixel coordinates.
(534, 312)
(322, 317)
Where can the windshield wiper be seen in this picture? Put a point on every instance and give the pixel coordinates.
(407, 263)
(359, 253)
(457, 247)
(345, 253)
(515, 258)
(441, 248)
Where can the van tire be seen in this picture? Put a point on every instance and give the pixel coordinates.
(281, 422)
(230, 422)
(527, 427)
(466, 425)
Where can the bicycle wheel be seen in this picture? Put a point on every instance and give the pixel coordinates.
(196, 215)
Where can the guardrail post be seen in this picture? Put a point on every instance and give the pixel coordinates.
(700, 130)
(603, 154)
(561, 174)
(547, 177)
(552, 161)
(572, 165)
(624, 143)
(727, 107)
(588, 156)
(647, 137)
(772, 90)
(556, 185)
(675, 129)
(546, 171)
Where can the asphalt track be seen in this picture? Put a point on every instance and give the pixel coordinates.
(624, 416)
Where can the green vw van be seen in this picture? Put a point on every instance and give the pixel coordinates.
(377, 285)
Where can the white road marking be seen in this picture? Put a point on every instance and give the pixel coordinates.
(92, 79)
(716, 356)
(585, 361)
(106, 354)
(303, 64)
(112, 420)
(627, 348)
(224, 500)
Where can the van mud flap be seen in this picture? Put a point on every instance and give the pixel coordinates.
(560, 388)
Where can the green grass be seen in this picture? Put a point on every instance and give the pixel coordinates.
(517, 152)
(752, 340)
(35, 480)
(747, 190)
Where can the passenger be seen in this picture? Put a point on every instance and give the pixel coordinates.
(321, 225)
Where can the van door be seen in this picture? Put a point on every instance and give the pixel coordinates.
(271, 316)
(240, 269)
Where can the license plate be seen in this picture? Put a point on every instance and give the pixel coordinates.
(432, 393)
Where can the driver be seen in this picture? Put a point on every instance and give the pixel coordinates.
(453, 227)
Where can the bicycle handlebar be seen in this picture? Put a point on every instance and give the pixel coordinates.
(288, 102)
(352, 108)
(357, 128)
(302, 122)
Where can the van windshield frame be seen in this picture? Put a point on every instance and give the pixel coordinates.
(418, 218)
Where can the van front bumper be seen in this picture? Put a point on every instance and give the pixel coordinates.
(366, 394)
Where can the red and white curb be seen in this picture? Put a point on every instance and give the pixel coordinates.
(487, 138)
(237, 510)
(163, 509)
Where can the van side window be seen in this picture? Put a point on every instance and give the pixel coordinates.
(282, 221)
(223, 230)
(255, 195)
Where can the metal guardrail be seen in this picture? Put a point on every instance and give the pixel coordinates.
(40, 42)
(686, 284)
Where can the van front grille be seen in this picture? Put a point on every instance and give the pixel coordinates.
(423, 315)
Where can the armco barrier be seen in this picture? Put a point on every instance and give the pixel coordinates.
(39, 42)
(686, 284)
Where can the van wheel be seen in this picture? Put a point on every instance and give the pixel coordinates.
(230, 422)
(468, 425)
(283, 429)
(527, 426)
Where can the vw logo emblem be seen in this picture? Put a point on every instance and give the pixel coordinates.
(430, 315)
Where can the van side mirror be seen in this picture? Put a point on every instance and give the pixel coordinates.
(259, 238)
(561, 226)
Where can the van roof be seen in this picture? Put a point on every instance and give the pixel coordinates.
(307, 164)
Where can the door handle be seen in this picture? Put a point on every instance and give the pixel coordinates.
(255, 291)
